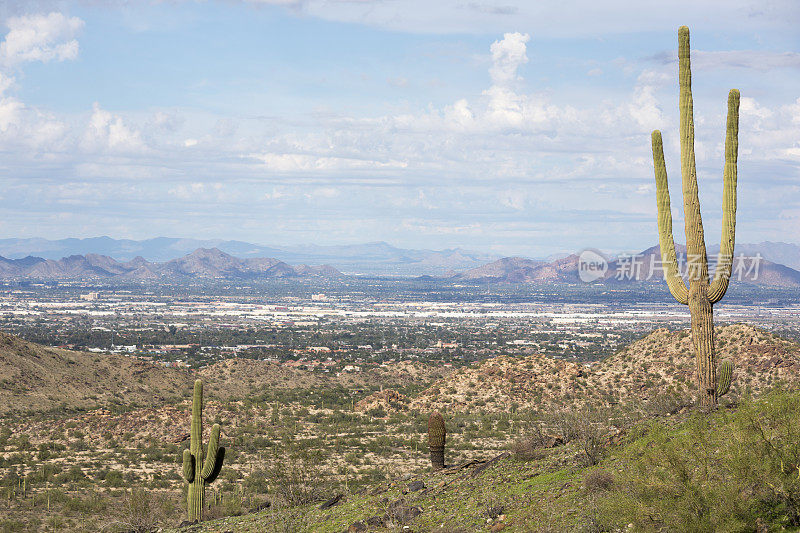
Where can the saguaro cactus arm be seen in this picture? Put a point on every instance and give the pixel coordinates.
(669, 260)
(188, 465)
(217, 465)
(212, 455)
(725, 378)
(722, 275)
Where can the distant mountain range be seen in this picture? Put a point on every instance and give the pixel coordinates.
(378, 258)
(201, 263)
(208, 263)
(637, 268)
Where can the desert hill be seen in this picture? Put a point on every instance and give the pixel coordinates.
(40, 378)
(636, 482)
(663, 361)
(36, 377)
(239, 377)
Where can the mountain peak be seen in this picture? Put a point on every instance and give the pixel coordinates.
(208, 252)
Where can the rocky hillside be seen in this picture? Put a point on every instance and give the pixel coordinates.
(639, 482)
(39, 378)
(663, 361)
(235, 378)
(36, 377)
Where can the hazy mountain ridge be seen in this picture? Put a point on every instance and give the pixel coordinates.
(642, 267)
(372, 258)
(375, 258)
(202, 263)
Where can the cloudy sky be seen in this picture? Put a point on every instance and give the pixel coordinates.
(514, 127)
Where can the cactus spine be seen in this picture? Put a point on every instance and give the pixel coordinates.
(701, 294)
(195, 471)
(436, 437)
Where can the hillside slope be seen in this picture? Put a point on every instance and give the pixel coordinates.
(39, 378)
(721, 472)
(660, 362)
(36, 377)
(236, 378)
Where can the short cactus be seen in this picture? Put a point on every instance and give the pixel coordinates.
(724, 377)
(436, 437)
(196, 472)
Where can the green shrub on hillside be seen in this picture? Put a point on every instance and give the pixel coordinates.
(733, 471)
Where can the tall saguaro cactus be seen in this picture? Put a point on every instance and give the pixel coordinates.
(436, 437)
(701, 294)
(196, 472)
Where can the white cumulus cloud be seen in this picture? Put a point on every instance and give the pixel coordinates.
(508, 55)
(40, 38)
(108, 131)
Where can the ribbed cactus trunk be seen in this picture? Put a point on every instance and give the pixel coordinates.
(701, 294)
(436, 439)
(197, 488)
(196, 471)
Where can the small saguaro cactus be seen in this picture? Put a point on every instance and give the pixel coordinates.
(702, 294)
(195, 471)
(436, 437)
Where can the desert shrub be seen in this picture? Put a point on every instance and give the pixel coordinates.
(586, 425)
(565, 423)
(56, 522)
(73, 475)
(296, 481)
(528, 448)
(11, 525)
(666, 403)
(93, 503)
(257, 481)
(113, 478)
(229, 506)
(23, 443)
(591, 435)
(142, 511)
(78, 445)
(598, 480)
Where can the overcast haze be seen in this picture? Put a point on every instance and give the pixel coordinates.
(518, 128)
